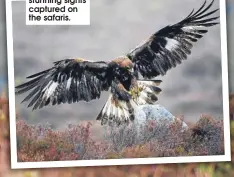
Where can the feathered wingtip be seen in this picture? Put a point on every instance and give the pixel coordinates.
(35, 78)
(33, 86)
(197, 17)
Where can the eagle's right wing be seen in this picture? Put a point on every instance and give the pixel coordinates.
(68, 81)
(169, 46)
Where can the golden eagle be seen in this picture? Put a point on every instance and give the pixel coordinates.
(74, 80)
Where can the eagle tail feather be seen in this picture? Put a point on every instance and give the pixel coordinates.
(116, 112)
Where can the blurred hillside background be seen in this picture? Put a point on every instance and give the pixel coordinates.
(192, 88)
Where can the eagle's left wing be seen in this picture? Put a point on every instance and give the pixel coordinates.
(170, 45)
(68, 81)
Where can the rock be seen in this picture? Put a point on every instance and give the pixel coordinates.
(157, 113)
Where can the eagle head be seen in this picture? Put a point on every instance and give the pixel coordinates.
(124, 62)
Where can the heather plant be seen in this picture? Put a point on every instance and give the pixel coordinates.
(208, 135)
(155, 139)
(41, 143)
(121, 137)
(80, 137)
(152, 139)
(139, 133)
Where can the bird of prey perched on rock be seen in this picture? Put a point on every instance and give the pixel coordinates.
(76, 79)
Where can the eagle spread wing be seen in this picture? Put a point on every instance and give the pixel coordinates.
(68, 81)
(170, 45)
